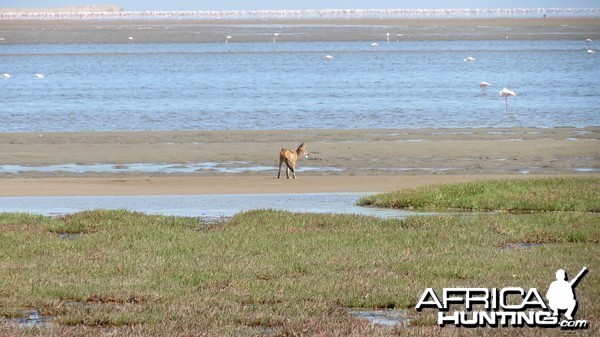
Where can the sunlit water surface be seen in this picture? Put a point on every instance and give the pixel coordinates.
(288, 85)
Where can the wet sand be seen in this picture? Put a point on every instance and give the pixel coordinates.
(198, 31)
(342, 160)
(98, 186)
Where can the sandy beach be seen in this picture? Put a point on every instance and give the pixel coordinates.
(340, 160)
(199, 31)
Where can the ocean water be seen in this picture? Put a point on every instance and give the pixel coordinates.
(290, 85)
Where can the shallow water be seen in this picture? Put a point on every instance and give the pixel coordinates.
(521, 245)
(388, 317)
(208, 207)
(224, 167)
(30, 320)
(290, 85)
(227, 167)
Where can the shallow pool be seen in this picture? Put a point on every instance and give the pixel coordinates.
(205, 206)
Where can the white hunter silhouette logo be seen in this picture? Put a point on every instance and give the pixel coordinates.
(560, 294)
(509, 306)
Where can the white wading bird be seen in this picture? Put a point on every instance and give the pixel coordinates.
(5, 75)
(484, 86)
(329, 57)
(39, 75)
(227, 38)
(590, 52)
(275, 36)
(469, 59)
(506, 93)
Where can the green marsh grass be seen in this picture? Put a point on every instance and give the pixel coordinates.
(514, 195)
(268, 272)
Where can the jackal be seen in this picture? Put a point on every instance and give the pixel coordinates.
(289, 157)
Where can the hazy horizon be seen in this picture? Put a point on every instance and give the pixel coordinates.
(227, 5)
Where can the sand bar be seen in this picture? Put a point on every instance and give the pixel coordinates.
(371, 160)
(202, 31)
(227, 185)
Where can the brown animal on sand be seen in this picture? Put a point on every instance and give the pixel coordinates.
(290, 157)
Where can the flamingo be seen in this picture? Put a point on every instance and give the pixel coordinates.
(374, 45)
(275, 36)
(590, 52)
(329, 57)
(506, 93)
(39, 75)
(5, 75)
(227, 38)
(484, 86)
(469, 59)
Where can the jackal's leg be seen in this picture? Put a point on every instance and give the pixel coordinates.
(287, 172)
(279, 172)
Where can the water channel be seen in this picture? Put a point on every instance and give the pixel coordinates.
(204, 206)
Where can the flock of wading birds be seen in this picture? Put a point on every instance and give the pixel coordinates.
(505, 92)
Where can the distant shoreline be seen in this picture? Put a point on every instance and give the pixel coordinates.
(68, 9)
(117, 12)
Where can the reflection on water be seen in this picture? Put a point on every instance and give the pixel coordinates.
(204, 206)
